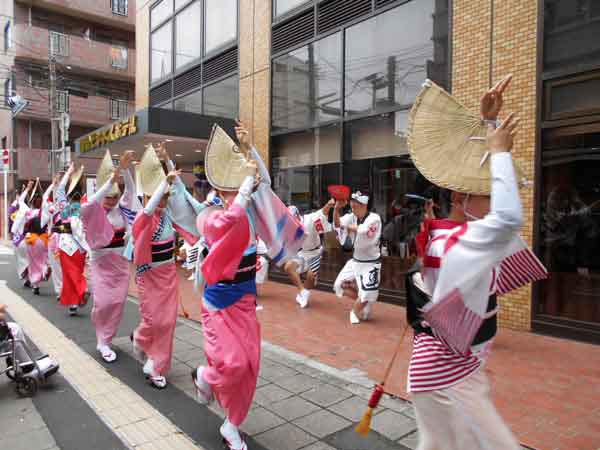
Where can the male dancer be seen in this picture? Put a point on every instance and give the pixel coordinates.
(107, 219)
(308, 260)
(359, 230)
(230, 326)
(72, 245)
(470, 257)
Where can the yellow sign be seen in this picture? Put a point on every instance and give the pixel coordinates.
(116, 131)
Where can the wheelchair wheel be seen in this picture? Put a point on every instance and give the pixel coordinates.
(10, 373)
(27, 387)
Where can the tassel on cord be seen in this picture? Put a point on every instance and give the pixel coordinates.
(364, 426)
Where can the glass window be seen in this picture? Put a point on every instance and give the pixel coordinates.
(378, 136)
(160, 12)
(221, 99)
(187, 40)
(307, 85)
(388, 58)
(161, 53)
(283, 6)
(221, 23)
(570, 228)
(190, 103)
(571, 30)
(308, 148)
(180, 3)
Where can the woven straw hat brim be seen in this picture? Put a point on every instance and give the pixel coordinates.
(447, 142)
(75, 179)
(104, 173)
(150, 171)
(225, 163)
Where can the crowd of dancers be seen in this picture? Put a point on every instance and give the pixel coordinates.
(86, 245)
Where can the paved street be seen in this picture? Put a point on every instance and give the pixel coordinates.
(300, 404)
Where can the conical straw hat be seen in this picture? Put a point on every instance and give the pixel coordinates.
(104, 173)
(75, 178)
(225, 163)
(151, 172)
(447, 142)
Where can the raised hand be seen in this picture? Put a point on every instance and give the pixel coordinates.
(116, 173)
(126, 158)
(172, 176)
(161, 152)
(492, 100)
(251, 168)
(71, 169)
(29, 185)
(241, 133)
(501, 139)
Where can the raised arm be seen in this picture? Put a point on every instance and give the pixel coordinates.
(128, 199)
(61, 190)
(262, 168)
(155, 199)
(246, 146)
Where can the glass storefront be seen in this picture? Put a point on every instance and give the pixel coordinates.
(340, 108)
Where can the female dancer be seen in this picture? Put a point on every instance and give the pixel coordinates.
(107, 219)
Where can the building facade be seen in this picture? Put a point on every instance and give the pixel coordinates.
(92, 47)
(325, 87)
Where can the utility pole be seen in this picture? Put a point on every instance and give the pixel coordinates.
(52, 95)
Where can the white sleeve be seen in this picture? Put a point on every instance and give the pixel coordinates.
(506, 216)
(101, 193)
(129, 199)
(243, 196)
(155, 199)
(262, 168)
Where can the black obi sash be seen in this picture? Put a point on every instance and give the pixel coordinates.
(118, 239)
(162, 251)
(246, 270)
(416, 300)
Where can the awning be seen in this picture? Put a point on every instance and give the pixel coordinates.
(186, 135)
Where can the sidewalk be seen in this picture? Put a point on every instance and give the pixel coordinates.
(547, 389)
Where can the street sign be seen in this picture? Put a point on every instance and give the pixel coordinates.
(5, 159)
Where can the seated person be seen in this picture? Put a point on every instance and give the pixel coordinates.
(46, 365)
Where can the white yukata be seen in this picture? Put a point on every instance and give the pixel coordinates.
(18, 235)
(309, 256)
(365, 265)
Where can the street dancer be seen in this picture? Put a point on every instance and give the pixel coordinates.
(231, 328)
(469, 258)
(72, 246)
(107, 219)
(308, 260)
(18, 234)
(168, 207)
(360, 232)
(49, 218)
(36, 237)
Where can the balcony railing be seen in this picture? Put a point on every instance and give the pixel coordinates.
(92, 57)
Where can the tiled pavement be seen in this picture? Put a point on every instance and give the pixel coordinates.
(547, 389)
(298, 404)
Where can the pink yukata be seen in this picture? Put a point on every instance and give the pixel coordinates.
(107, 231)
(157, 281)
(231, 329)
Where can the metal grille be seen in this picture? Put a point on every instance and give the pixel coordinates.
(61, 101)
(119, 7)
(160, 94)
(335, 13)
(59, 44)
(294, 31)
(220, 65)
(188, 80)
(382, 3)
(118, 109)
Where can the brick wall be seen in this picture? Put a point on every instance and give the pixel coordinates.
(491, 39)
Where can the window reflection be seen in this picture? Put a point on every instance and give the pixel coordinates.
(187, 41)
(307, 85)
(221, 23)
(161, 44)
(284, 6)
(190, 103)
(222, 98)
(160, 12)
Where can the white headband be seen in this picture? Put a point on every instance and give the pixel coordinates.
(360, 198)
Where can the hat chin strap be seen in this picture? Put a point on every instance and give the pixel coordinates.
(466, 212)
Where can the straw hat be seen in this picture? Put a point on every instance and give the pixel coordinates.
(447, 142)
(105, 172)
(225, 163)
(75, 179)
(150, 171)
